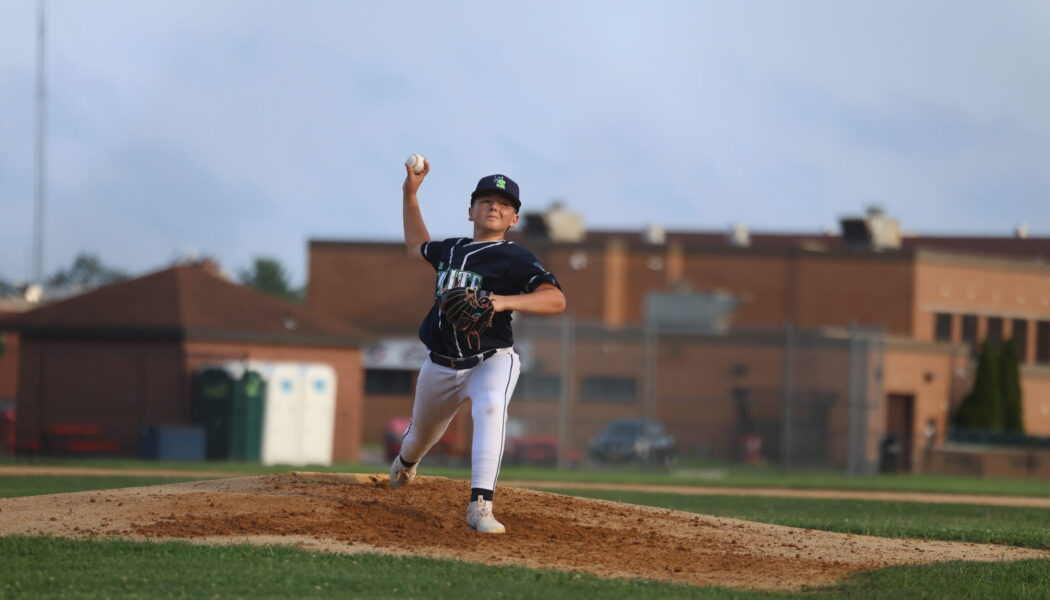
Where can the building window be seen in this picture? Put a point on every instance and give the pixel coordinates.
(995, 331)
(388, 382)
(1042, 342)
(538, 387)
(1020, 336)
(943, 327)
(969, 330)
(621, 390)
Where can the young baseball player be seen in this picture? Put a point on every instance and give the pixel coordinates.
(459, 369)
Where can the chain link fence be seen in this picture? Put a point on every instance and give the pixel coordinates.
(590, 395)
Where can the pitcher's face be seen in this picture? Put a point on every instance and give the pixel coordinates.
(492, 214)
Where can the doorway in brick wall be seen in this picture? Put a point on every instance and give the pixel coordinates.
(900, 422)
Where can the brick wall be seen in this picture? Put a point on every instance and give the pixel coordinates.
(9, 366)
(132, 384)
(372, 286)
(985, 289)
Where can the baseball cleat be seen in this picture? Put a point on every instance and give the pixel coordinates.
(400, 474)
(480, 519)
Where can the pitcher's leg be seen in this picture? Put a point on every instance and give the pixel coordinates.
(490, 387)
(438, 395)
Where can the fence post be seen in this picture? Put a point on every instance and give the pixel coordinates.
(866, 348)
(649, 393)
(567, 343)
(787, 396)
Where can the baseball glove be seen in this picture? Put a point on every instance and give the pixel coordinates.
(469, 313)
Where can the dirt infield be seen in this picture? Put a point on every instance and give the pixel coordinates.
(360, 513)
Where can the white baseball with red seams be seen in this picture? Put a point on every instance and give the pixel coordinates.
(417, 162)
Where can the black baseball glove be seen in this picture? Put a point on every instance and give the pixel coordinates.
(469, 313)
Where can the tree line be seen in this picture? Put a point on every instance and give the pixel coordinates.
(88, 272)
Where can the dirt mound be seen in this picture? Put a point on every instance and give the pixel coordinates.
(360, 513)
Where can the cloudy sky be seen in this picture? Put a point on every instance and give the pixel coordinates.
(246, 128)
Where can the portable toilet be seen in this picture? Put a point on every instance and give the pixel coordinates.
(281, 418)
(318, 414)
(249, 398)
(212, 409)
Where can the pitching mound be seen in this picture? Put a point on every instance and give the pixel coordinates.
(361, 513)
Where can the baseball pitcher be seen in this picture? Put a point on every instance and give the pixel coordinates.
(480, 281)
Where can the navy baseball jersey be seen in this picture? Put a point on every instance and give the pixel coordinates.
(495, 267)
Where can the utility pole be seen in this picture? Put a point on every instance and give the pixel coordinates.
(40, 194)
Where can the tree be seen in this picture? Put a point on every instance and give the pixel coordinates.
(982, 407)
(87, 273)
(1012, 420)
(268, 275)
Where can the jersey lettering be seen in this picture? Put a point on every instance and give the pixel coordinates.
(453, 278)
(502, 267)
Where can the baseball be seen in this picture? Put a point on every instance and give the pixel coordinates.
(417, 162)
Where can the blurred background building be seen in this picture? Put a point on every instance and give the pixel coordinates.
(826, 350)
(849, 350)
(98, 373)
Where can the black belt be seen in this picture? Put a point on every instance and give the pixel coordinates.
(459, 364)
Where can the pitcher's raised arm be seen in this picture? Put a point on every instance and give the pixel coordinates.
(416, 233)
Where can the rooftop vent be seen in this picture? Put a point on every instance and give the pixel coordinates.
(557, 224)
(874, 231)
(739, 236)
(655, 234)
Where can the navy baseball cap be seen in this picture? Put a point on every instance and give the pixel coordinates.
(499, 184)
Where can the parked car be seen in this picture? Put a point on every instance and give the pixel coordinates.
(633, 440)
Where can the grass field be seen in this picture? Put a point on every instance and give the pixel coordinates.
(57, 568)
(689, 474)
(44, 567)
(32, 485)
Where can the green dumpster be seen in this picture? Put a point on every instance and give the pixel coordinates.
(212, 408)
(249, 399)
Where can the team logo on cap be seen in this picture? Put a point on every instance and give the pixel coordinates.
(501, 183)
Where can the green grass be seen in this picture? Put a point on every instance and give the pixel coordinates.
(1015, 526)
(1023, 579)
(696, 474)
(46, 567)
(36, 567)
(33, 485)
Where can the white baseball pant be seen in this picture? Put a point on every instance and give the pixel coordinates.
(439, 393)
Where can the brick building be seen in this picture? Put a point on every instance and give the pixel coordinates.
(9, 343)
(121, 357)
(934, 297)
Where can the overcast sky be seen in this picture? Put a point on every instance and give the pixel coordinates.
(246, 128)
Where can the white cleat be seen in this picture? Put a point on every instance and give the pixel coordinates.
(400, 474)
(480, 519)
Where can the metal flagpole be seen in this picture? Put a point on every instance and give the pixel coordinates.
(41, 149)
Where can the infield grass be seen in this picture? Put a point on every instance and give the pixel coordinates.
(33, 485)
(1014, 526)
(690, 474)
(40, 567)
